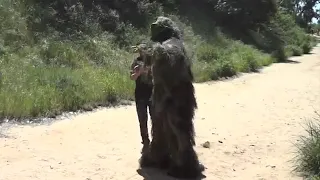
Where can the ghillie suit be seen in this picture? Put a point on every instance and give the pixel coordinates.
(174, 105)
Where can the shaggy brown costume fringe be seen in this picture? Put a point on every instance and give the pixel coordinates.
(174, 105)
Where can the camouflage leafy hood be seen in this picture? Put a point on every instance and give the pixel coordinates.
(164, 28)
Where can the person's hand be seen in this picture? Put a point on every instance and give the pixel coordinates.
(137, 69)
(135, 73)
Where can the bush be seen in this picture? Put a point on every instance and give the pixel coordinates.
(306, 48)
(293, 50)
(307, 160)
(295, 40)
(228, 59)
(309, 43)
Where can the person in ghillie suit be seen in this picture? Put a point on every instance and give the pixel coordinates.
(174, 105)
(141, 74)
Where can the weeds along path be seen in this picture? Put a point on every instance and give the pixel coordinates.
(250, 122)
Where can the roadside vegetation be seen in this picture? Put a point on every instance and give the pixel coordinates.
(58, 56)
(307, 160)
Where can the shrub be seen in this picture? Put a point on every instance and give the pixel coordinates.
(295, 50)
(228, 59)
(306, 48)
(209, 53)
(308, 44)
(307, 161)
(295, 39)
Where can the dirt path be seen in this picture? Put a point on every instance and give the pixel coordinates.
(255, 117)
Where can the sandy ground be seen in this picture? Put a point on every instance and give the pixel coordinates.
(250, 122)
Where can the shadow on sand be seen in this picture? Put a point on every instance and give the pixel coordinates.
(156, 174)
(290, 61)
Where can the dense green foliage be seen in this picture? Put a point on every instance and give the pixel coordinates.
(63, 55)
(316, 28)
(303, 11)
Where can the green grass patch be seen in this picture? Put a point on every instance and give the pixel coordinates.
(63, 76)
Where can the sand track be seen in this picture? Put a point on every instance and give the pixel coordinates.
(255, 117)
